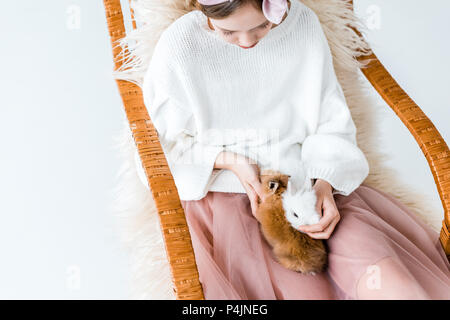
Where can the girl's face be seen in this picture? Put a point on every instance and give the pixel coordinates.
(244, 27)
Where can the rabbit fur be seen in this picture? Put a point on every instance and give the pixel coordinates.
(287, 204)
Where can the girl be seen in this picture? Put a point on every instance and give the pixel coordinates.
(242, 84)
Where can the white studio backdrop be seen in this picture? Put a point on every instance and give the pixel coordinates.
(411, 40)
(60, 110)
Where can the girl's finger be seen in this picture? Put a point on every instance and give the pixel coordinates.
(329, 203)
(326, 233)
(319, 205)
(254, 208)
(257, 188)
(323, 223)
(318, 227)
(252, 191)
(253, 198)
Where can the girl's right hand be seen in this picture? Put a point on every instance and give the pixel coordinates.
(249, 175)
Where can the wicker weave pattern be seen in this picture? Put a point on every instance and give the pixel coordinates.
(427, 136)
(172, 219)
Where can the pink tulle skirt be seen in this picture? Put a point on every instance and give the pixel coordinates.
(235, 261)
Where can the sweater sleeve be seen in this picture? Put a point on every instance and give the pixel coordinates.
(191, 162)
(331, 152)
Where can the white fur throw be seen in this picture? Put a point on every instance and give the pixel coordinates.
(134, 206)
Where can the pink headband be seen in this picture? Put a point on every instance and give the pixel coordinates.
(273, 10)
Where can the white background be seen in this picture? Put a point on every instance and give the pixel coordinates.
(60, 110)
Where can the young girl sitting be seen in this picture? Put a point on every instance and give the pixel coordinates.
(241, 84)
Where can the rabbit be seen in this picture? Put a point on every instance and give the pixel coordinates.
(282, 208)
(300, 205)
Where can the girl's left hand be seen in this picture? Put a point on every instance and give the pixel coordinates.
(330, 216)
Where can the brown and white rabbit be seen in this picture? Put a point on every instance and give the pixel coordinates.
(293, 249)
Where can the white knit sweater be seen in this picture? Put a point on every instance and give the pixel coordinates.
(277, 103)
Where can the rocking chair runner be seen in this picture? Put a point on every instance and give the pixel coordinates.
(171, 214)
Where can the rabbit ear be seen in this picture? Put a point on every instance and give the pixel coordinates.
(290, 188)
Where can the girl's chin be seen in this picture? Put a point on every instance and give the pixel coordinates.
(248, 47)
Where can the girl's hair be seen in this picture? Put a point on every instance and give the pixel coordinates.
(224, 9)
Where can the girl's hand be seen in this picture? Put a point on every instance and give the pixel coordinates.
(330, 216)
(249, 175)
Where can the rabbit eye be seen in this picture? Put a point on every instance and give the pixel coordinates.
(295, 215)
(271, 184)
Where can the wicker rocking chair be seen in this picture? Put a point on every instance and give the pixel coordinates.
(173, 224)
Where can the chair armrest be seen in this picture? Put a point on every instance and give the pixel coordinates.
(177, 239)
(427, 136)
